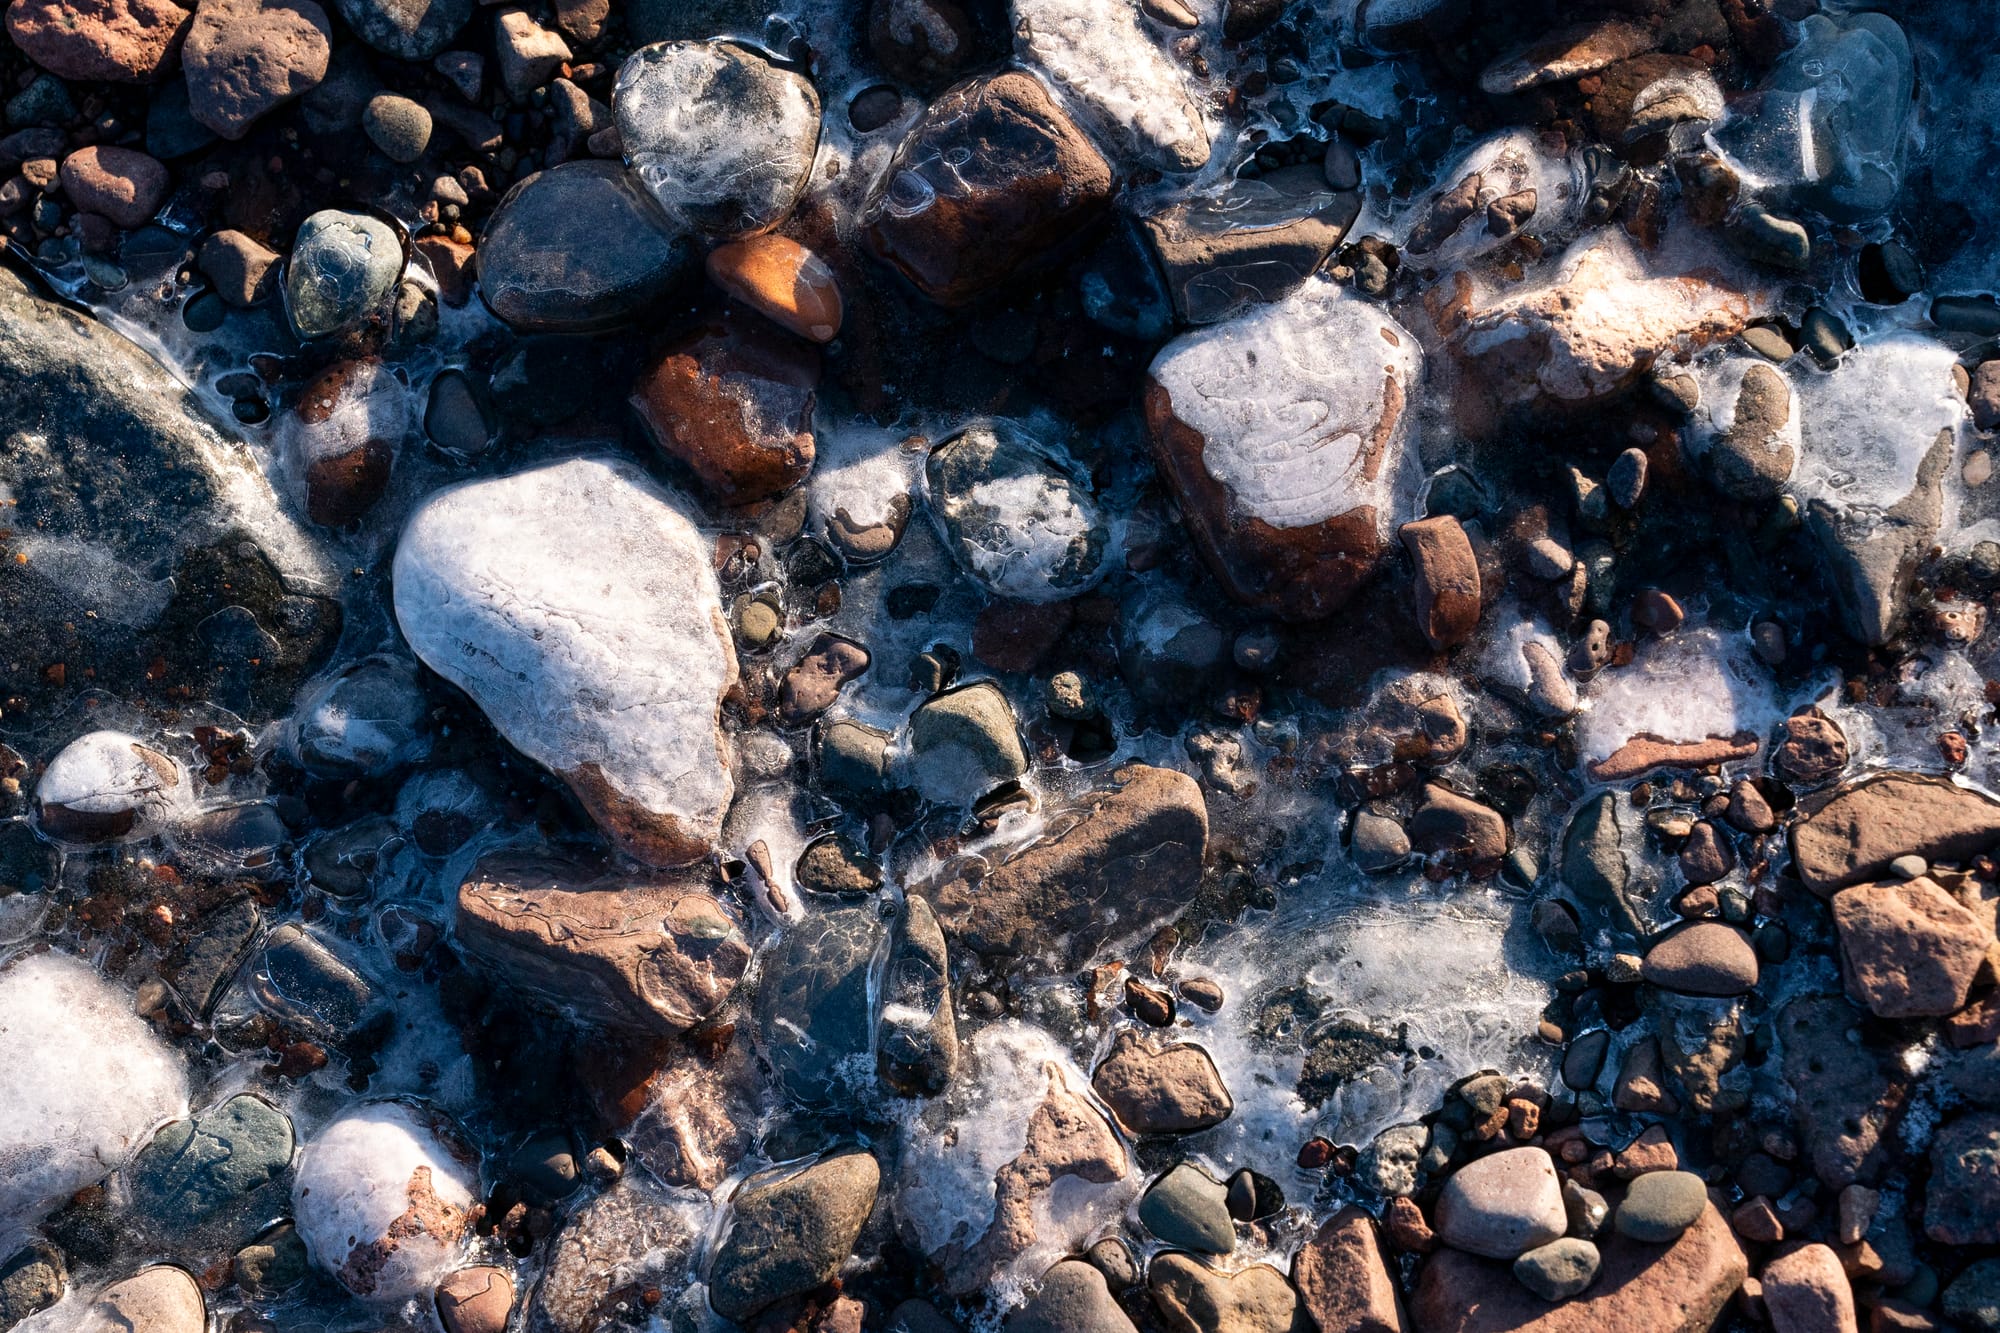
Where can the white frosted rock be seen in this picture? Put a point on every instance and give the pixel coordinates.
(1501, 185)
(106, 786)
(83, 1080)
(1694, 699)
(381, 1203)
(1525, 660)
(720, 136)
(1018, 516)
(1286, 435)
(1107, 57)
(577, 605)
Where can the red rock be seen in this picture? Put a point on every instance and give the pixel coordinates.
(118, 183)
(1908, 949)
(1643, 754)
(1640, 1288)
(1170, 1089)
(351, 417)
(814, 683)
(1707, 958)
(1806, 1291)
(1755, 1220)
(1852, 835)
(1566, 54)
(1194, 1298)
(246, 57)
(1462, 830)
(120, 41)
(1814, 748)
(1344, 1283)
(782, 281)
(452, 264)
(734, 401)
(1408, 1230)
(1447, 580)
(476, 1300)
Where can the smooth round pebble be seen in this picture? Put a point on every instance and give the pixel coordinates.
(1660, 1205)
(1558, 1270)
(398, 126)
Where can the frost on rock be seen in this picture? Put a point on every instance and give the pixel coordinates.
(1016, 515)
(718, 135)
(577, 605)
(83, 1080)
(1286, 435)
(106, 786)
(1105, 54)
(1746, 426)
(1504, 184)
(859, 490)
(381, 1203)
(1525, 660)
(1695, 699)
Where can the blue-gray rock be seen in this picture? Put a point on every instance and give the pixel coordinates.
(813, 1007)
(1559, 1270)
(343, 270)
(406, 29)
(789, 1232)
(1188, 1209)
(211, 1168)
(1660, 1205)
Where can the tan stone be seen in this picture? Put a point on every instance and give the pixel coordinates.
(1344, 1283)
(1154, 1089)
(476, 1300)
(1447, 580)
(161, 1299)
(1194, 1298)
(1908, 949)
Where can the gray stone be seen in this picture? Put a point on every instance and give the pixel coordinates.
(1962, 1205)
(1379, 842)
(1189, 1209)
(1769, 239)
(370, 719)
(1390, 1164)
(1660, 1205)
(398, 126)
(916, 1048)
(342, 272)
(1593, 863)
(854, 758)
(1973, 1298)
(633, 1236)
(215, 1167)
(31, 1281)
(813, 1007)
(273, 1263)
(1559, 1270)
(1019, 517)
(406, 29)
(1071, 1298)
(964, 743)
(790, 1232)
(1256, 243)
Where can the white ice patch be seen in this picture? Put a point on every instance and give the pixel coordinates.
(1021, 559)
(858, 473)
(1303, 405)
(1697, 684)
(1869, 422)
(1508, 165)
(83, 1084)
(110, 773)
(1112, 61)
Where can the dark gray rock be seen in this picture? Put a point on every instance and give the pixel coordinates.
(789, 1232)
(30, 1282)
(215, 1169)
(1258, 242)
(1071, 1298)
(1188, 1209)
(813, 1009)
(916, 1049)
(1593, 863)
(406, 29)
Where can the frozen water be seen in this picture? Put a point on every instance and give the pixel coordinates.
(1698, 684)
(1114, 62)
(1868, 424)
(108, 785)
(1539, 190)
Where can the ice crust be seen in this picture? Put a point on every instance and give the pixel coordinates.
(1112, 61)
(1697, 684)
(1867, 424)
(108, 773)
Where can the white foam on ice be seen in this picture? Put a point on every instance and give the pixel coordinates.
(1867, 424)
(1116, 64)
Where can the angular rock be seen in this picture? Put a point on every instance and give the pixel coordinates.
(1194, 1298)
(1344, 1282)
(527, 53)
(1962, 1206)
(245, 58)
(1258, 242)
(632, 1238)
(1447, 580)
(1908, 949)
(1807, 1291)
(581, 581)
(1852, 835)
(1457, 828)
(121, 41)
(916, 1045)
(787, 1235)
(1173, 1089)
(1567, 54)
(964, 743)
(1846, 1095)
(244, 272)
(1502, 1204)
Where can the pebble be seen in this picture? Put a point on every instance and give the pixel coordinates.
(245, 58)
(1070, 1298)
(398, 126)
(527, 54)
(244, 272)
(117, 183)
(1187, 1208)
(1559, 1270)
(1706, 958)
(690, 400)
(1256, 1299)
(1447, 580)
(1502, 1205)
(1660, 1205)
(963, 743)
(1378, 842)
(1627, 479)
(789, 1234)
(160, 1299)
(781, 280)
(342, 272)
(381, 1202)
(1806, 1291)
(476, 1300)
(1172, 1089)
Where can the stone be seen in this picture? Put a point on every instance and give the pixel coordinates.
(370, 719)
(916, 1043)
(1447, 580)
(31, 1281)
(1660, 1205)
(782, 281)
(381, 1201)
(1594, 865)
(788, 1232)
(1908, 949)
(1194, 1298)
(1259, 241)
(814, 1005)
(1852, 835)
(991, 178)
(1770, 238)
(341, 442)
(1706, 856)
(1070, 1298)
(121, 41)
(656, 957)
(1682, 1287)
(1124, 78)
(527, 53)
(964, 742)
(1559, 1270)
(406, 29)
(1503, 1204)
(1344, 1282)
(719, 136)
(476, 1300)
(1806, 1291)
(1018, 516)
(733, 401)
(1846, 1096)
(1984, 395)
(1813, 749)
(576, 248)
(1187, 1208)
(117, 183)
(1292, 515)
(341, 274)
(214, 1167)
(1132, 858)
(1749, 420)
(814, 681)
(398, 126)
(1651, 94)
(633, 1237)
(1378, 842)
(1973, 1297)
(1707, 958)
(1461, 831)
(1963, 1203)
(106, 786)
(1567, 53)
(1153, 1089)
(245, 58)
(160, 1299)
(243, 272)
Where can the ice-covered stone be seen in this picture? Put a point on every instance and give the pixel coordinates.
(342, 271)
(1018, 517)
(1746, 426)
(366, 720)
(1115, 63)
(1504, 183)
(720, 136)
(106, 786)
(577, 605)
(1694, 699)
(83, 1080)
(342, 440)
(381, 1201)
(1286, 436)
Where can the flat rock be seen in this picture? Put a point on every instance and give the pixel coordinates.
(213, 1166)
(634, 1237)
(1908, 949)
(1344, 1282)
(1290, 509)
(1853, 835)
(1806, 1291)
(789, 1233)
(1707, 958)
(1191, 1297)
(245, 58)
(1132, 859)
(1566, 54)
(1463, 832)
(814, 1004)
(1187, 1208)
(656, 957)
(122, 41)
(1846, 1094)
(1153, 1089)
(1962, 1206)
(1502, 1204)
(582, 584)
(1660, 1205)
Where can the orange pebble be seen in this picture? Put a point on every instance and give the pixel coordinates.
(781, 280)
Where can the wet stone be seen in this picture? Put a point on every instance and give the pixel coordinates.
(813, 1006)
(788, 1235)
(213, 1168)
(1188, 1209)
(1171, 1089)
(1017, 515)
(341, 272)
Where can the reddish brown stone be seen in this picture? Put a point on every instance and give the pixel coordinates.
(117, 183)
(1447, 580)
(452, 264)
(782, 281)
(1171, 1089)
(1909, 949)
(813, 684)
(1643, 754)
(476, 1300)
(1814, 748)
(1344, 1284)
(246, 57)
(1806, 1291)
(1853, 835)
(734, 402)
(1462, 830)
(121, 41)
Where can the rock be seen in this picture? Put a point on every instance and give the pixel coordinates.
(381, 1201)
(1172, 1089)
(368, 720)
(1194, 1298)
(160, 1299)
(578, 247)
(1846, 87)
(1651, 94)
(1706, 856)
(733, 401)
(916, 1044)
(214, 1167)
(406, 29)
(1447, 580)
(341, 274)
(123, 41)
(1568, 53)
(721, 137)
(1845, 1096)
(1768, 238)
(244, 273)
(528, 54)
(1188, 1208)
(1908, 949)
(634, 1237)
(782, 281)
(992, 177)
(1259, 241)
(1682, 1287)
(963, 743)
(814, 681)
(116, 183)
(1974, 1296)
(1984, 395)
(1292, 515)
(31, 1281)
(105, 786)
(476, 1300)
(1747, 425)
(1345, 1285)
(487, 581)
(1132, 859)
(1593, 863)
(1559, 1270)
(1461, 831)
(245, 58)
(1019, 517)
(1122, 75)
(1813, 750)
(1071, 1298)
(1378, 842)
(653, 957)
(341, 443)
(88, 1078)
(398, 126)
(1707, 958)
(1806, 1291)
(1963, 1204)
(1660, 1205)
(1502, 1204)
(1852, 835)
(790, 1232)
(814, 1004)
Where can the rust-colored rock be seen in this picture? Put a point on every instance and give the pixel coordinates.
(120, 41)
(117, 183)
(1908, 949)
(476, 1300)
(1853, 835)
(1344, 1283)
(1643, 754)
(1807, 1291)
(1171, 1089)
(1466, 833)
(782, 281)
(734, 401)
(1447, 580)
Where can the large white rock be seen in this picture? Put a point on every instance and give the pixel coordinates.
(577, 605)
(1108, 58)
(106, 786)
(83, 1083)
(381, 1203)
